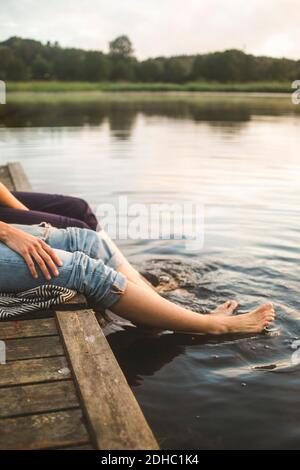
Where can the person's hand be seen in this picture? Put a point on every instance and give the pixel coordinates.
(34, 251)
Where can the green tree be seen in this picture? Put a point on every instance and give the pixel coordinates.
(178, 69)
(283, 69)
(198, 69)
(122, 69)
(69, 64)
(25, 49)
(151, 70)
(41, 68)
(5, 58)
(22, 59)
(96, 66)
(225, 66)
(17, 70)
(121, 47)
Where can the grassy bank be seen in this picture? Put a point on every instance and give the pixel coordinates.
(251, 87)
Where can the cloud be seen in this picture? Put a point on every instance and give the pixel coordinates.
(159, 27)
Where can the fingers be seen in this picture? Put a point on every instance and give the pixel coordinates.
(45, 262)
(40, 262)
(51, 253)
(44, 257)
(48, 260)
(30, 264)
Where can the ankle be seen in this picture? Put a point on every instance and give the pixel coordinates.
(220, 325)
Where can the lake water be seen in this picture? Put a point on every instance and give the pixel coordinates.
(238, 157)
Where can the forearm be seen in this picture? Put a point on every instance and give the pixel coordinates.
(7, 199)
(5, 230)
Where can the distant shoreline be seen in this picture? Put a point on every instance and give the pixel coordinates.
(59, 86)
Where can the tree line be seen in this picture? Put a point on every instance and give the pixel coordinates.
(27, 59)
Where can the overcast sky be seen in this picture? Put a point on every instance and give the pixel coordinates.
(159, 27)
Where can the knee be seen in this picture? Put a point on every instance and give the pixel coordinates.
(101, 284)
(82, 239)
(86, 214)
(81, 205)
(80, 210)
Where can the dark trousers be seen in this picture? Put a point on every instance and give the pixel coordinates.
(59, 211)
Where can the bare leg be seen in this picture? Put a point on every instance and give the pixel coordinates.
(146, 307)
(142, 305)
(134, 276)
(126, 268)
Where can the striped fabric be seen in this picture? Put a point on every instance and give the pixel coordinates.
(40, 298)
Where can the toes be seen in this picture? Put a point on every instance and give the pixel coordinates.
(231, 304)
(269, 319)
(267, 307)
(270, 315)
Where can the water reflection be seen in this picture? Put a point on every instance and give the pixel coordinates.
(121, 111)
(121, 123)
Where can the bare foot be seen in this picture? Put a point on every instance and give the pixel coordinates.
(225, 309)
(253, 322)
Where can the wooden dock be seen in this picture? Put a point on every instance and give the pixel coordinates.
(61, 386)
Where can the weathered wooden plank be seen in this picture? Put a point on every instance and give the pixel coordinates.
(27, 328)
(34, 370)
(38, 315)
(29, 348)
(76, 303)
(5, 177)
(18, 176)
(113, 413)
(32, 399)
(79, 299)
(43, 431)
(83, 447)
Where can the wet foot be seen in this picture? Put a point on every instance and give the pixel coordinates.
(225, 309)
(253, 322)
